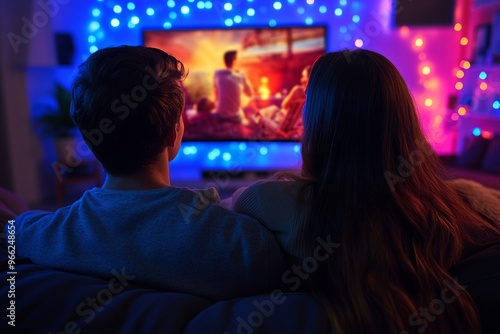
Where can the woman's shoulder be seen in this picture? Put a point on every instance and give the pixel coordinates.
(276, 187)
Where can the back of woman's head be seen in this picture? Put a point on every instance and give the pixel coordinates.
(359, 116)
(377, 190)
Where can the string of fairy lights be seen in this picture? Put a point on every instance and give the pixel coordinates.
(480, 85)
(109, 15)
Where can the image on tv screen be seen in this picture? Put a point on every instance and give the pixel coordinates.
(245, 83)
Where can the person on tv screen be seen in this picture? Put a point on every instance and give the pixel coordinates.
(371, 218)
(127, 102)
(229, 85)
(285, 122)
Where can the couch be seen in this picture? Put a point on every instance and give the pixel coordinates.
(478, 160)
(53, 301)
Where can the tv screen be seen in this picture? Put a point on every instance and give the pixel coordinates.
(244, 83)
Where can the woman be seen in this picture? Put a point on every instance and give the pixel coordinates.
(372, 186)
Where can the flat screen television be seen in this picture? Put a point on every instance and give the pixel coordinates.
(271, 59)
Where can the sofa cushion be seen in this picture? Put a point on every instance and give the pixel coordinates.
(473, 153)
(54, 301)
(491, 160)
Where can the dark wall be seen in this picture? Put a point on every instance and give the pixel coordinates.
(424, 12)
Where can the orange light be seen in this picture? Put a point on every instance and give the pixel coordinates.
(438, 119)
(264, 90)
(458, 27)
(483, 86)
(487, 134)
(462, 111)
(428, 102)
(455, 116)
(464, 41)
(465, 64)
(404, 31)
(460, 74)
(459, 85)
(419, 42)
(426, 70)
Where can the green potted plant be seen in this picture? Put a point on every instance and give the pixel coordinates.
(57, 124)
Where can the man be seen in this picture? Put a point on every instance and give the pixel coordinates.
(127, 102)
(230, 84)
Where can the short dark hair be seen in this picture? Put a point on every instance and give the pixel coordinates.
(126, 101)
(230, 57)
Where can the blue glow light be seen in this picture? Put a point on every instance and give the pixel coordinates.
(301, 10)
(94, 25)
(309, 21)
(184, 10)
(167, 25)
(355, 5)
(190, 150)
(228, 6)
(272, 23)
(338, 11)
(212, 155)
(476, 132)
(131, 6)
(291, 1)
(171, 3)
(496, 105)
(343, 2)
(150, 11)
(355, 18)
(228, 22)
(91, 39)
(237, 19)
(96, 12)
(242, 146)
(117, 9)
(343, 29)
(296, 148)
(115, 22)
(200, 5)
(483, 75)
(226, 156)
(250, 12)
(208, 4)
(322, 9)
(93, 49)
(277, 5)
(263, 150)
(130, 25)
(134, 19)
(172, 15)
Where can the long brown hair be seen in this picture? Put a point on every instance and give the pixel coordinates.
(378, 190)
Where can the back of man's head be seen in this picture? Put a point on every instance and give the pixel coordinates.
(126, 101)
(230, 57)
